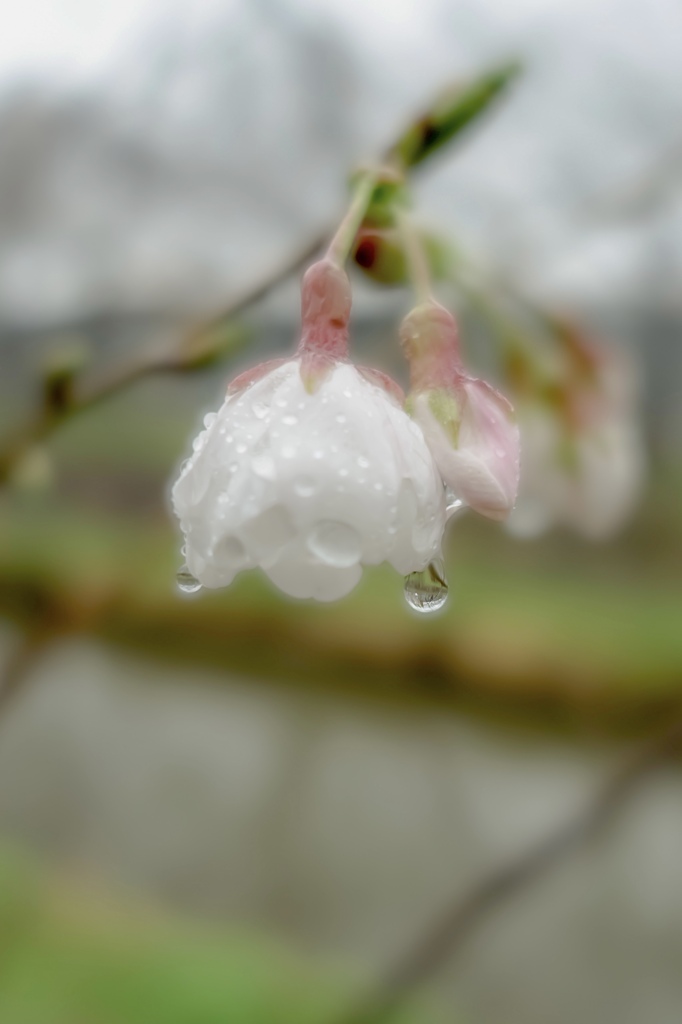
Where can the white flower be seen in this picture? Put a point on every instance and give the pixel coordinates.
(468, 425)
(589, 481)
(309, 486)
(583, 454)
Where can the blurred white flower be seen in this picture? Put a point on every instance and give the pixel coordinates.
(583, 454)
(310, 470)
(469, 426)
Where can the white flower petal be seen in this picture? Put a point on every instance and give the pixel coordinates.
(318, 484)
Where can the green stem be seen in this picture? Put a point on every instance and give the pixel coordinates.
(342, 242)
(417, 260)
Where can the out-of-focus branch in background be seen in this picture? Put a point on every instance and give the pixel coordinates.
(456, 924)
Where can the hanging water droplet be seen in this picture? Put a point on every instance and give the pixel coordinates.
(186, 582)
(209, 419)
(427, 591)
(453, 504)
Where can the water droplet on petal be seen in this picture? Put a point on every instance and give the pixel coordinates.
(209, 419)
(263, 465)
(340, 418)
(289, 420)
(305, 486)
(288, 451)
(240, 448)
(363, 463)
(186, 582)
(260, 410)
(453, 504)
(427, 591)
(335, 543)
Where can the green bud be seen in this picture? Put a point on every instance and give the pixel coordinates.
(380, 253)
(456, 108)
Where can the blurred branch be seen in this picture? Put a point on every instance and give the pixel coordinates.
(16, 671)
(453, 928)
(446, 118)
(204, 343)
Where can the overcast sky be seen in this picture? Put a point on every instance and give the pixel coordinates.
(600, 104)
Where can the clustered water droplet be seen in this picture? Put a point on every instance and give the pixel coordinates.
(427, 591)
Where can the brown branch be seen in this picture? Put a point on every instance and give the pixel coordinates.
(201, 344)
(454, 927)
(20, 663)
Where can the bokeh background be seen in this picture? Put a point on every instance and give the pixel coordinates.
(237, 808)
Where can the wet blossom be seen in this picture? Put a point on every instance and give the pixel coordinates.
(583, 454)
(310, 469)
(469, 426)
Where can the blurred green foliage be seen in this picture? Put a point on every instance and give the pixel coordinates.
(69, 955)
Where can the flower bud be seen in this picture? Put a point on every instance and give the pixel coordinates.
(468, 425)
(380, 254)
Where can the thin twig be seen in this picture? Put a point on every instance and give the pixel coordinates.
(182, 357)
(459, 921)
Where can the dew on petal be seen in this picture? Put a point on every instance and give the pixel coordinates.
(453, 504)
(305, 486)
(288, 451)
(335, 543)
(260, 410)
(186, 582)
(290, 420)
(240, 448)
(340, 418)
(427, 591)
(209, 419)
(263, 465)
(362, 462)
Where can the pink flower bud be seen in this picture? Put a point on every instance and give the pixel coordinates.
(468, 425)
